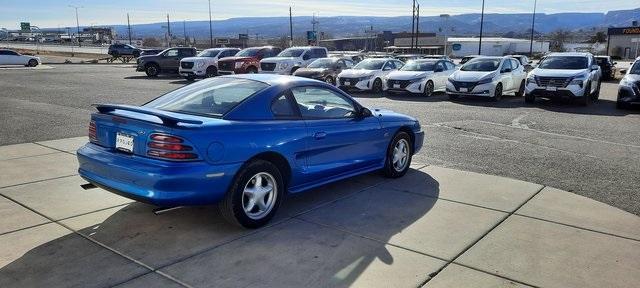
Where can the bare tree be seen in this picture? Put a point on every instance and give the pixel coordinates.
(558, 39)
(151, 42)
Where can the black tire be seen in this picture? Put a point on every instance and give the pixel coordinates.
(377, 86)
(390, 170)
(152, 70)
(596, 94)
(529, 98)
(190, 78)
(115, 54)
(428, 88)
(252, 70)
(497, 94)
(32, 63)
(585, 100)
(330, 80)
(520, 92)
(231, 207)
(212, 71)
(620, 105)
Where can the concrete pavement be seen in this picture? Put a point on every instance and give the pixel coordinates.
(435, 227)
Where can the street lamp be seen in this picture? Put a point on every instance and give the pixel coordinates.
(481, 23)
(533, 24)
(210, 27)
(445, 17)
(77, 21)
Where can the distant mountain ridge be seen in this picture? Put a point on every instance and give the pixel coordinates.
(342, 26)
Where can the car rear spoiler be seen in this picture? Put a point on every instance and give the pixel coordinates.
(168, 118)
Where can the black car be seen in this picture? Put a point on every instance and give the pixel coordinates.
(325, 69)
(119, 49)
(607, 66)
(167, 61)
(146, 52)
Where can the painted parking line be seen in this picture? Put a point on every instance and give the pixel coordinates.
(14, 67)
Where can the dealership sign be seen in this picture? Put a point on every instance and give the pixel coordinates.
(456, 47)
(624, 31)
(25, 26)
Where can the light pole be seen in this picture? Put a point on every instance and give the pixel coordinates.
(77, 21)
(210, 27)
(481, 23)
(533, 24)
(445, 18)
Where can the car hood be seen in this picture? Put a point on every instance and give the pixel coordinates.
(470, 76)
(357, 73)
(194, 59)
(558, 72)
(386, 115)
(408, 75)
(311, 71)
(237, 58)
(279, 59)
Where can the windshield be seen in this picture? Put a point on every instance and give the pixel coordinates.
(249, 52)
(564, 62)
(418, 66)
(323, 63)
(209, 53)
(291, 52)
(370, 64)
(481, 64)
(635, 69)
(213, 97)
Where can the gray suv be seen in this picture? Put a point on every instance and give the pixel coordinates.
(167, 61)
(118, 49)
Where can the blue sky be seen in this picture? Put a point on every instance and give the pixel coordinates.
(56, 13)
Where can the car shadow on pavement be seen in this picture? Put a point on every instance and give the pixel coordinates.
(601, 107)
(198, 247)
(159, 77)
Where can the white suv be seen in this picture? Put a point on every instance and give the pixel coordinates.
(205, 64)
(572, 75)
(291, 59)
(487, 77)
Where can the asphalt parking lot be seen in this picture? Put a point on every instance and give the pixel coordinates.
(592, 151)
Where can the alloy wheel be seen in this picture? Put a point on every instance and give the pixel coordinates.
(400, 155)
(259, 195)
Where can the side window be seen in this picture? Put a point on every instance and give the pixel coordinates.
(506, 65)
(398, 64)
(3, 52)
(450, 65)
(515, 64)
(171, 53)
(440, 66)
(321, 103)
(270, 53)
(349, 63)
(281, 108)
(389, 65)
(320, 53)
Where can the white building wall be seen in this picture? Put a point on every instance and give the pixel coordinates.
(495, 46)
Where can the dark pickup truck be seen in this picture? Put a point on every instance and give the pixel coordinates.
(167, 61)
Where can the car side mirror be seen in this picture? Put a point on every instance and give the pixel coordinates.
(364, 113)
(594, 67)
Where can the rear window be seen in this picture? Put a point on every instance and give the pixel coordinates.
(214, 97)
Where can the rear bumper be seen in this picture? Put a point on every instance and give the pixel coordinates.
(155, 182)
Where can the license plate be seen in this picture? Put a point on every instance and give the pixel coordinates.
(396, 85)
(124, 142)
(552, 88)
(464, 89)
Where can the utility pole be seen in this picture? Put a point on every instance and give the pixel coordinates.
(533, 24)
(418, 28)
(210, 27)
(168, 32)
(129, 28)
(481, 23)
(413, 22)
(184, 31)
(290, 28)
(445, 18)
(315, 23)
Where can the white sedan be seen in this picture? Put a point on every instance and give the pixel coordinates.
(488, 77)
(368, 74)
(9, 57)
(423, 76)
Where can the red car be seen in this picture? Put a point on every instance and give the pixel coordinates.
(246, 61)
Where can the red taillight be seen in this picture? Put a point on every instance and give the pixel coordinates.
(169, 147)
(93, 133)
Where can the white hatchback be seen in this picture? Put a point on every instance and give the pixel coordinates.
(488, 77)
(368, 74)
(423, 76)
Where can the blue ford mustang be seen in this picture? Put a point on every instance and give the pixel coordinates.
(242, 142)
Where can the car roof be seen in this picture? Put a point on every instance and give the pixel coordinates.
(581, 54)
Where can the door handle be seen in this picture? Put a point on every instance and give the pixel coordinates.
(320, 135)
